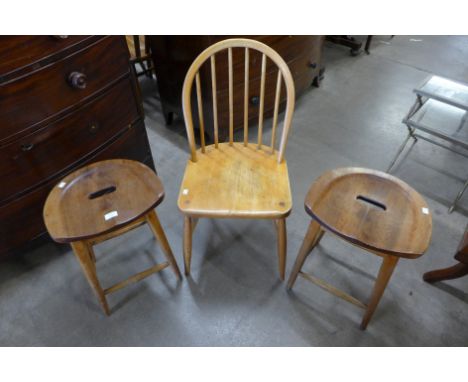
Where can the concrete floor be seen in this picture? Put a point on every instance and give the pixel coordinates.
(234, 296)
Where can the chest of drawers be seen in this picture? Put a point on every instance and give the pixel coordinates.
(65, 101)
(173, 55)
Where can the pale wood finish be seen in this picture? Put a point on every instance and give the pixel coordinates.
(81, 250)
(137, 277)
(215, 107)
(231, 99)
(333, 290)
(237, 179)
(210, 53)
(100, 189)
(372, 210)
(281, 232)
(386, 270)
(188, 231)
(312, 238)
(155, 225)
(200, 113)
(246, 96)
(275, 112)
(262, 102)
(236, 182)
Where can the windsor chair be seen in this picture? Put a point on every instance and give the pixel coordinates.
(237, 179)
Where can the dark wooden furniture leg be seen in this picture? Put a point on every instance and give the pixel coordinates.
(368, 42)
(455, 271)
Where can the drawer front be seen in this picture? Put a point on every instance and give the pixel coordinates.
(17, 52)
(21, 220)
(58, 87)
(38, 156)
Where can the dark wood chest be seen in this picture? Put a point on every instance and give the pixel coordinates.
(173, 55)
(65, 101)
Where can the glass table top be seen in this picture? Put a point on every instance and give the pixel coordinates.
(444, 90)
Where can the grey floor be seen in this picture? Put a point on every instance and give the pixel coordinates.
(234, 296)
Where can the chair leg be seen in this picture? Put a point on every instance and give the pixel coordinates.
(281, 231)
(155, 224)
(82, 252)
(386, 269)
(311, 239)
(188, 222)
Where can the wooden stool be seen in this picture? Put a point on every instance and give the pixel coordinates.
(372, 210)
(99, 202)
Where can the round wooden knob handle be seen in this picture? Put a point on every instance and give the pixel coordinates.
(77, 80)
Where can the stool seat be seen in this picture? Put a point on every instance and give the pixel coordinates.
(99, 202)
(371, 209)
(100, 198)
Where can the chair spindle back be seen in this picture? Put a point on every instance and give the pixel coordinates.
(284, 75)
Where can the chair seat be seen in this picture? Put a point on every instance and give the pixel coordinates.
(371, 209)
(236, 181)
(99, 198)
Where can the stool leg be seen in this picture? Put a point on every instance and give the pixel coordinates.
(386, 269)
(82, 252)
(187, 243)
(311, 239)
(282, 245)
(155, 225)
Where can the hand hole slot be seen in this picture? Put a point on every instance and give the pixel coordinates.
(104, 191)
(373, 202)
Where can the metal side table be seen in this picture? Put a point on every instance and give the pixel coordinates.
(436, 99)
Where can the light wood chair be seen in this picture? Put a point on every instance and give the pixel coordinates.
(372, 210)
(140, 55)
(99, 202)
(237, 179)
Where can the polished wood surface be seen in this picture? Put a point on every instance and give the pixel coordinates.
(83, 204)
(369, 209)
(29, 207)
(455, 271)
(236, 179)
(26, 161)
(66, 101)
(173, 55)
(21, 54)
(235, 182)
(99, 202)
(51, 89)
